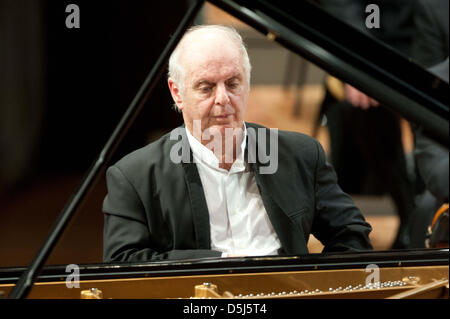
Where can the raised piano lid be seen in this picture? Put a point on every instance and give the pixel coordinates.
(362, 61)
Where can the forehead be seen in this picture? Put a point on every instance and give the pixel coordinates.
(211, 56)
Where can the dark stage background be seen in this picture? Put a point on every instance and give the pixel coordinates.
(62, 92)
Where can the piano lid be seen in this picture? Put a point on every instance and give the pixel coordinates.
(352, 56)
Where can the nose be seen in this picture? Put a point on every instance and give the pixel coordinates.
(222, 95)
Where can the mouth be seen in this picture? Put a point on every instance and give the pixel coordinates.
(225, 116)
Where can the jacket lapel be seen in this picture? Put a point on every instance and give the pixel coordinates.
(289, 231)
(197, 200)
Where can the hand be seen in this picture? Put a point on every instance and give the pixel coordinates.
(359, 99)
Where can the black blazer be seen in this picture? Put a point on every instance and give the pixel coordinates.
(431, 37)
(156, 209)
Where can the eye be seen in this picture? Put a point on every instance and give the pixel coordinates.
(205, 89)
(233, 85)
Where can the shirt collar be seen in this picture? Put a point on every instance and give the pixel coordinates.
(203, 154)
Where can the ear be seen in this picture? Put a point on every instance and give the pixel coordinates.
(176, 94)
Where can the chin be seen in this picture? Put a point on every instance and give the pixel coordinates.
(223, 126)
(219, 128)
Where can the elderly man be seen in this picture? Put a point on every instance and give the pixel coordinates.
(218, 200)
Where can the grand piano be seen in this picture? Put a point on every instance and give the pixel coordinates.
(401, 84)
(393, 274)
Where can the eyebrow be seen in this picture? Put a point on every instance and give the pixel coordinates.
(235, 77)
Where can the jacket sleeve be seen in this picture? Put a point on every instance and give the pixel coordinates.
(126, 235)
(338, 223)
(430, 45)
(433, 165)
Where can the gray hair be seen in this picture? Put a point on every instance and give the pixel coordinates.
(176, 70)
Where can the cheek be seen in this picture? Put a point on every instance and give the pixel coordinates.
(203, 107)
(239, 102)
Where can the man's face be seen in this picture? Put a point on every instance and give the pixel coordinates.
(215, 88)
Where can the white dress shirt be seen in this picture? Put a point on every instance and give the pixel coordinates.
(239, 222)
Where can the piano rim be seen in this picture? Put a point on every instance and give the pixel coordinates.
(238, 265)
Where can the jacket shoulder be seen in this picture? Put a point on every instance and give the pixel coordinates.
(145, 157)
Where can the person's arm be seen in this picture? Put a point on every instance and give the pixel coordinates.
(126, 235)
(432, 158)
(429, 40)
(433, 165)
(338, 223)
